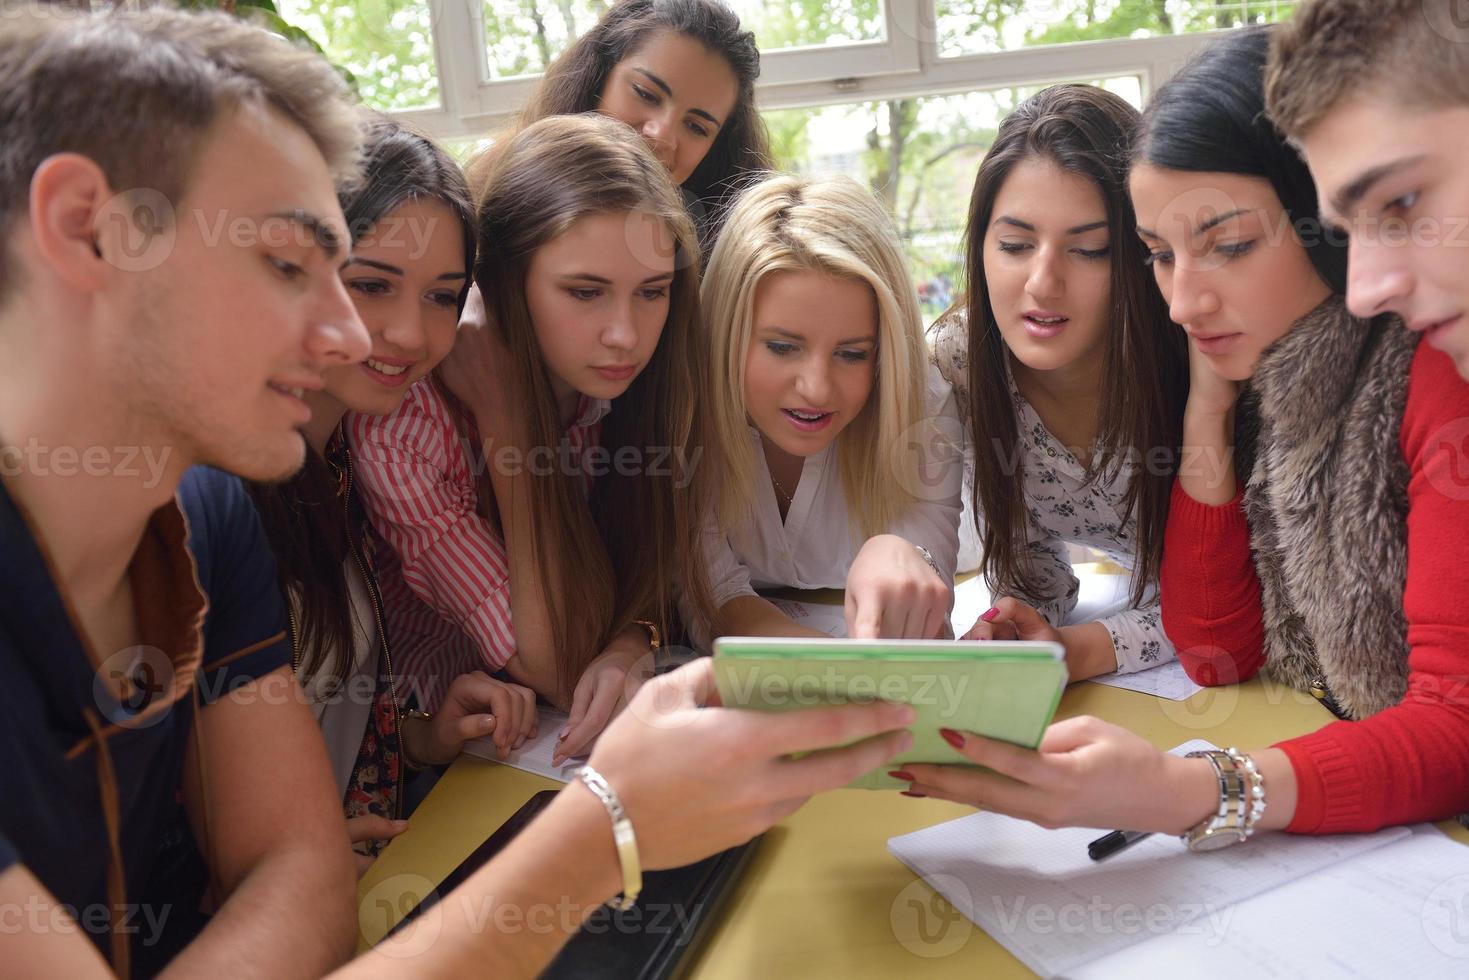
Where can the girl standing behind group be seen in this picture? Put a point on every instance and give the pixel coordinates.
(1070, 377)
(682, 74)
(835, 465)
(537, 492)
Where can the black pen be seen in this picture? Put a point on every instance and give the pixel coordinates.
(1109, 844)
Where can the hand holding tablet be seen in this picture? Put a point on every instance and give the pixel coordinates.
(1007, 691)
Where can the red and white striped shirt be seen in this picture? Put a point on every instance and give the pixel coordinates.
(445, 577)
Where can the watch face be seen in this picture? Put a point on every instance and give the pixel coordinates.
(1216, 840)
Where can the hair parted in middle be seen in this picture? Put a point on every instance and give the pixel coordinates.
(835, 226)
(574, 82)
(619, 551)
(1084, 130)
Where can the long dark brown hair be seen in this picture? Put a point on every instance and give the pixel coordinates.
(621, 553)
(574, 82)
(1086, 131)
(305, 519)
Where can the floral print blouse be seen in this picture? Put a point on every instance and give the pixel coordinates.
(1062, 510)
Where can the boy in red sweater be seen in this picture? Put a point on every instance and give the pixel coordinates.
(1376, 94)
(1273, 574)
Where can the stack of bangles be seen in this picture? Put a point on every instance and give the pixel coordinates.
(1241, 801)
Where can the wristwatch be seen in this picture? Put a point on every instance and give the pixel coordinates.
(1241, 801)
(409, 762)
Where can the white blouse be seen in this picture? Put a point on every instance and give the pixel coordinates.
(1061, 509)
(814, 546)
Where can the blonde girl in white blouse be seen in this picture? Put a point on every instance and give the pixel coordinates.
(838, 446)
(1070, 378)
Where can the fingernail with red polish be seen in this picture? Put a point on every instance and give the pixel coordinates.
(913, 793)
(952, 737)
(989, 616)
(902, 774)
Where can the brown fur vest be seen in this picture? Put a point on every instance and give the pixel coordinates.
(1327, 505)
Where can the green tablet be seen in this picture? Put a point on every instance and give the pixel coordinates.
(1002, 690)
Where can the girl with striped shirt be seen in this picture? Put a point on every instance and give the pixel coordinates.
(538, 490)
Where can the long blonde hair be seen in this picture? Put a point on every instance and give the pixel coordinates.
(620, 553)
(830, 225)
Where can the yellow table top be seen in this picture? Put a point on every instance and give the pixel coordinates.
(822, 896)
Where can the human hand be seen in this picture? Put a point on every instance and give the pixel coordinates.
(475, 705)
(367, 828)
(893, 593)
(697, 780)
(479, 370)
(602, 692)
(1086, 773)
(1011, 619)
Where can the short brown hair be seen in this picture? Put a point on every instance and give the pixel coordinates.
(136, 91)
(1414, 51)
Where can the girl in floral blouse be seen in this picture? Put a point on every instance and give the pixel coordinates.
(1070, 377)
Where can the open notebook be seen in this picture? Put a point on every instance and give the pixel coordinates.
(1394, 903)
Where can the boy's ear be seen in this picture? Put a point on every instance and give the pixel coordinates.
(87, 232)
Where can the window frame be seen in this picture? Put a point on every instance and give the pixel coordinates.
(907, 63)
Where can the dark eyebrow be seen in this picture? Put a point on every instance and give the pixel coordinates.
(604, 281)
(1350, 195)
(1005, 219)
(374, 264)
(669, 92)
(1218, 220)
(323, 235)
(1211, 223)
(394, 270)
(792, 335)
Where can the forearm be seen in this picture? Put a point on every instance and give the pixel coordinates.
(1206, 471)
(1089, 650)
(754, 616)
(292, 915)
(515, 914)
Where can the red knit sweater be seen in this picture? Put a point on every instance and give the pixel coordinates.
(1409, 762)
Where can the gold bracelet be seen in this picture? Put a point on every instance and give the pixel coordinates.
(655, 638)
(408, 756)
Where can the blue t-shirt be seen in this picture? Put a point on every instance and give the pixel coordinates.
(57, 697)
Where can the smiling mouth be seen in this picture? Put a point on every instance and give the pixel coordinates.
(391, 370)
(284, 390)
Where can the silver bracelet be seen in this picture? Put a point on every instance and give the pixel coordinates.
(1254, 788)
(622, 835)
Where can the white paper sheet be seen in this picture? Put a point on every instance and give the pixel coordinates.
(1398, 911)
(536, 754)
(1041, 897)
(829, 619)
(1164, 681)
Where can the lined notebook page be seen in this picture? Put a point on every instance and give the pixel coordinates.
(1401, 910)
(1040, 896)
